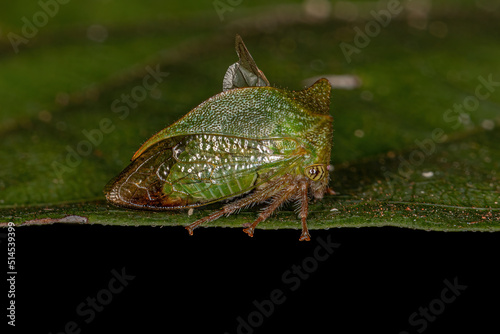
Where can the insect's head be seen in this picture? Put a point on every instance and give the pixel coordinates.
(316, 172)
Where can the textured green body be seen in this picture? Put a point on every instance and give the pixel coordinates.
(260, 112)
(230, 144)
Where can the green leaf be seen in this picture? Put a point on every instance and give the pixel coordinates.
(74, 110)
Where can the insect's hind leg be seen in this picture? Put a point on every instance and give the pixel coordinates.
(258, 196)
(212, 217)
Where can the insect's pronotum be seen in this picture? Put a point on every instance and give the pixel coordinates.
(252, 143)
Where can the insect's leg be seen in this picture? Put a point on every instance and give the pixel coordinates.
(330, 191)
(304, 208)
(256, 197)
(279, 199)
(212, 217)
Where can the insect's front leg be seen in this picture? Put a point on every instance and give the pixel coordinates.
(304, 210)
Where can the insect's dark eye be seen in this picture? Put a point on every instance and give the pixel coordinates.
(315, 172)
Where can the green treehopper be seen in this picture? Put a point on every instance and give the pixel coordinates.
(252, 143)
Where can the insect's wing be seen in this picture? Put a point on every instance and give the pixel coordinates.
(245, 72)
(194, 170)
(140, 185)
